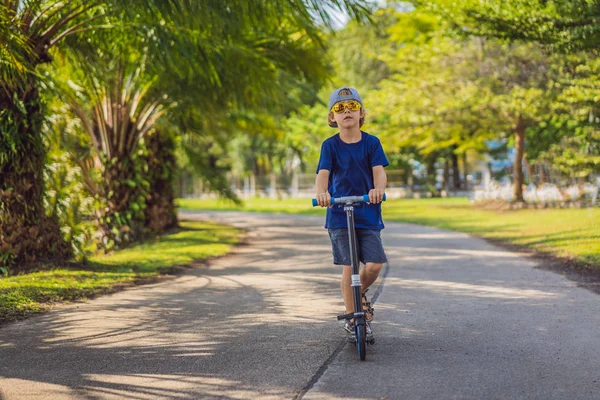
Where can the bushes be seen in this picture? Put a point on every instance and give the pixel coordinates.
(66, 200)
(132, 197)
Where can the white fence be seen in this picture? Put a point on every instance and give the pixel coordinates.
(303, 186)
(545, 194)
(298, 186)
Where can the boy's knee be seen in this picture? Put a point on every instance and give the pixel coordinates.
(373, 268)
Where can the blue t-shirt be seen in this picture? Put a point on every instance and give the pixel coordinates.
(350, 167)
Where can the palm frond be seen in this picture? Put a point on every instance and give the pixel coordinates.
(15, 54)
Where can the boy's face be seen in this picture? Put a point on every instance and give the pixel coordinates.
(347, 118)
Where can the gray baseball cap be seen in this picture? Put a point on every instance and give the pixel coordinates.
(336, 97)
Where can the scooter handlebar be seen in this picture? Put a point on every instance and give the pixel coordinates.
(348, 199)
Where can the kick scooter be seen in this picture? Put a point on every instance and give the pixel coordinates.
(360, 329)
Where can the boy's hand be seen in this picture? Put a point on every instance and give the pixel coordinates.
(376, 196)
(324, 199)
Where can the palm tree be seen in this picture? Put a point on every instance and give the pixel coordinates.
(117, 109)
(32, 28)
(29, 30)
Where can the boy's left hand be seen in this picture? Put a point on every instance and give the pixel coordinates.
(376, 196)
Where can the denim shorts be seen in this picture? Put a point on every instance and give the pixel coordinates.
(370, 247)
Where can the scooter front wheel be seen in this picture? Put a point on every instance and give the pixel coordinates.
(361, 342)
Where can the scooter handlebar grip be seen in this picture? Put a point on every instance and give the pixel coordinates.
(366, 197)
(316, 203)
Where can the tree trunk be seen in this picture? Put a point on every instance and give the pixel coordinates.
(446, 183)
(465, 184)
(455, 170)
(122, 220)
(431, 170)
(26, 233)
(518, 165)
(431, 174)
(542, 173)
(160, 203)
(530, 176)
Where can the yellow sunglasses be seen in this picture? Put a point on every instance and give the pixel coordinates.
(340, 107)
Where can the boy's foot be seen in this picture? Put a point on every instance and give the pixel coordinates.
(351, 334)
(349, 326)
(367, 308)
(369, 337)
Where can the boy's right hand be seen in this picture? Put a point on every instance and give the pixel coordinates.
(324, 199)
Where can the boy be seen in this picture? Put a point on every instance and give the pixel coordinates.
(352, 163)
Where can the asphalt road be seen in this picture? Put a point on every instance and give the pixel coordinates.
(457, 318)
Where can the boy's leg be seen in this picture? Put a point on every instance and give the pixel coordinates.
(348, 297)
(373, 256)
(341, 256)
(346, 286)
(369, 274)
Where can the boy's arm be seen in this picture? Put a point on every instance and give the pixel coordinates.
(380, 181)
(321, 185)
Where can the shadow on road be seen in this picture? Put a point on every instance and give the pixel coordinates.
(260, 322)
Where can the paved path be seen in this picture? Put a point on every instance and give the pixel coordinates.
(457, 319)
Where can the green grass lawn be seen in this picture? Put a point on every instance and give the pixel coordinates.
(573, 233)
(25, 294)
